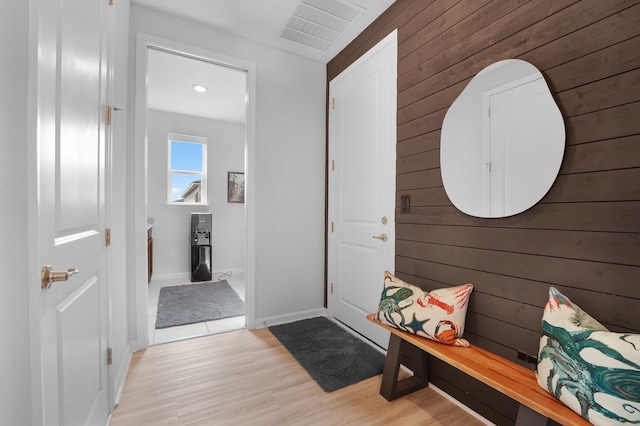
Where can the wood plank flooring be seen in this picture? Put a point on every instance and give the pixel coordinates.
(248, 378)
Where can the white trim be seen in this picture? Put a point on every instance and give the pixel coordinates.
(292, 317)
(121, 376)
(174, 276)
(181, 137)
(33, 225)
(187, 276)
(138, 273)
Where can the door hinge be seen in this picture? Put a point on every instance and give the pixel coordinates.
(331, 288)
(331, 226)
(107, 115)
(109, 356)
(333, 103)
(107, 237)
(333, 165)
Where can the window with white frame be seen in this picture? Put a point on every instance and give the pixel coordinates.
(187, 169)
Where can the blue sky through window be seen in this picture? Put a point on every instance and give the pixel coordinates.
(185, 157)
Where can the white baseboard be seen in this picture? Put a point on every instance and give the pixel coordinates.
(173, 276)
(121, 377)
(358, 335)
(187, 275)
(295, 316)
(461, 405)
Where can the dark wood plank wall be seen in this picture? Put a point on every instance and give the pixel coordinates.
(584, 235)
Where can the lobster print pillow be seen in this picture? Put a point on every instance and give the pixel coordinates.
(591, 370)
(438, 315)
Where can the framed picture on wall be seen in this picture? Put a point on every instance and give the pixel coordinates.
(235, 182)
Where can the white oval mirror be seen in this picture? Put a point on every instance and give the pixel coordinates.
(502, 141)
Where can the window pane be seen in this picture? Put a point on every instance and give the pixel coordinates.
(185, 188)
(186, 156)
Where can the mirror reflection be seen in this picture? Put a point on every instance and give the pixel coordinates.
(502, 141)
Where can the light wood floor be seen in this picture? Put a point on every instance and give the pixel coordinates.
(248, 378)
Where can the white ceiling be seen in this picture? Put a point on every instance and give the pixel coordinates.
(171, 77)
(264, 20)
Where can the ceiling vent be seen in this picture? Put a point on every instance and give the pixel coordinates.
(318, 23)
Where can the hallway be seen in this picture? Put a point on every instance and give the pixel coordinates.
(248, 378)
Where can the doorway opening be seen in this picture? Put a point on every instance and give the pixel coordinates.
(171, 104)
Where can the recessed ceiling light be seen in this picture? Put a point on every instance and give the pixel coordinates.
(199, 88)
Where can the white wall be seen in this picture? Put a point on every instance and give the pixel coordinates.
(225, 153)
(289, 155)
(15, 390)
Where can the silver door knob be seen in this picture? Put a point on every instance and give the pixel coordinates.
(382, 237)
(49, 276)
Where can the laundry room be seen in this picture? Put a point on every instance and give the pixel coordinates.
(196, 112)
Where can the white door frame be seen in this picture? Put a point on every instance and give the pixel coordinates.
(138, 245)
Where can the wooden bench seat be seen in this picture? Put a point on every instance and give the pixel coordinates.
(511, 379)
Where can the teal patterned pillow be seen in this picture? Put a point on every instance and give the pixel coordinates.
(438, 315)
(593, 371)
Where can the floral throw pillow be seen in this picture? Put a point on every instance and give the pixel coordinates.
(438, 315)
(591, 370)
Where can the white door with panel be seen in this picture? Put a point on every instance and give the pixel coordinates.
(362, 156)
(512, 116)
(71, 85)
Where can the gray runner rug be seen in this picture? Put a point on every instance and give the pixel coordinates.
(332, 356)
(188, 304)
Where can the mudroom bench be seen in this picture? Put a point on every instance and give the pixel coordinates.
(509, 378)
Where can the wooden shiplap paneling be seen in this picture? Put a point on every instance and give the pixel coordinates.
(584, 235)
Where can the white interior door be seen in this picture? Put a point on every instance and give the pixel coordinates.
(511, 146)
(72, 72)
(362, 156)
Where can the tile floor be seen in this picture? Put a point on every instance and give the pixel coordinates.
(236, 281)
